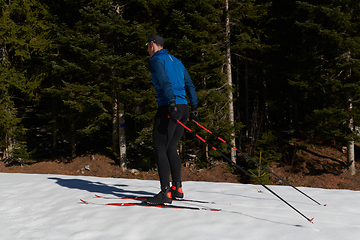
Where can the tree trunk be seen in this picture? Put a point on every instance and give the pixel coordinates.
(54, 144)
(247, 100)
(115, 123)
(229, 78)
(350, 145)
(73, 141)
(122, 139)
(118, 132)
(9, 147)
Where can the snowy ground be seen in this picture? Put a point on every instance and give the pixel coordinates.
(48, 207)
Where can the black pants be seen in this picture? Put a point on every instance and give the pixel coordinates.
(166, 135)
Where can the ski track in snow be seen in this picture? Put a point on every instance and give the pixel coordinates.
(47, 207)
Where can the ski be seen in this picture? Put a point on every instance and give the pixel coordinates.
(145, 204)
(144, 198)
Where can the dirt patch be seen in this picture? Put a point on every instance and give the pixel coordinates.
(102, 166)
(320, 167)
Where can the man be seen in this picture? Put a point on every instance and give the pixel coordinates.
(172, 82)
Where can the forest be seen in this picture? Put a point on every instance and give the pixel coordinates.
(74, 76)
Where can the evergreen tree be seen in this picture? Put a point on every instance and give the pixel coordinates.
(194, 33)
(284, 63)
(331, 33)
(23, 34)
(248, 49)
(92, 69)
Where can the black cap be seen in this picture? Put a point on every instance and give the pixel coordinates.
(156, 39)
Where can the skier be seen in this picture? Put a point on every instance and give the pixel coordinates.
(172, 82)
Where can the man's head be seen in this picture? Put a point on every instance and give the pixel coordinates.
(156, 38)
(154, 43)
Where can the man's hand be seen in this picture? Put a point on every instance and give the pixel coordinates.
(173, 111)
(194, 114)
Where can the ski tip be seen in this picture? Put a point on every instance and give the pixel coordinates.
(311, 220)
(97, 196)
(214, 209)
(83, 201)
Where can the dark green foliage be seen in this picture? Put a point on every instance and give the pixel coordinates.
(269, 150)
(23, 43)
(64, 64)
(330, 31)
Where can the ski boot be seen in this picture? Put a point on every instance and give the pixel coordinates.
(176, 190)
(164, 196)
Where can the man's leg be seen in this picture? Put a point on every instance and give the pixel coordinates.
(160, 141)
(173, 156)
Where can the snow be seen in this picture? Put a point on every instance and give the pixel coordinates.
(36, 206)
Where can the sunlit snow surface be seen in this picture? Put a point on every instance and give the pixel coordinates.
(34, 206)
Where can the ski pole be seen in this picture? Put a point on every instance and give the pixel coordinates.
(198, 124)
(246, 172)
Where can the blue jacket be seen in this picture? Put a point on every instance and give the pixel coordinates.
(171, 80)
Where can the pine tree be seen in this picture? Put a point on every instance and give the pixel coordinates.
(23, 34)
(94, 70)
(247, 47)
(331, 30)
(194, 33)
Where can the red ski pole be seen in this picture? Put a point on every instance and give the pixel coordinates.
(246, 172)
(259, 164)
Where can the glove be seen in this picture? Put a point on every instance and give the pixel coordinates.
(194, 114)
(173, 111)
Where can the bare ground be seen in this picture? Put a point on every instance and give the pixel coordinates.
(320, 167)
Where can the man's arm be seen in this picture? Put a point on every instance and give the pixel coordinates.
(190, 89)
